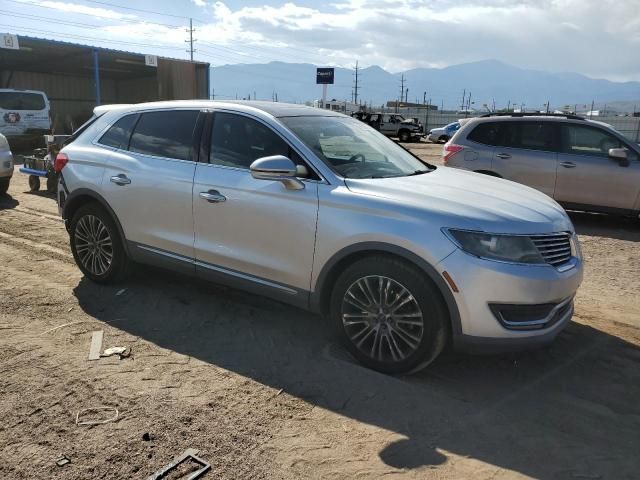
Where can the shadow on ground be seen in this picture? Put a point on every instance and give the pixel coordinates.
(567, 411)
(7, 202)
(600, 225)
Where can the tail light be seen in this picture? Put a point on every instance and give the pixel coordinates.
(449, 151)
(60, 161)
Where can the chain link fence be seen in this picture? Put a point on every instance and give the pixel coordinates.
(628, 126)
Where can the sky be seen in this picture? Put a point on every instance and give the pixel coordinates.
(598, 38)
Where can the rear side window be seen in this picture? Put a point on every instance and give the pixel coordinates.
(166, 134)
(21, 101)
(538, 136)
(119, 133)
(486, 133)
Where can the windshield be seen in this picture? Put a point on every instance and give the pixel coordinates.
(354, 149)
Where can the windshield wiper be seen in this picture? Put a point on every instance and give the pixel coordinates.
(418, 172)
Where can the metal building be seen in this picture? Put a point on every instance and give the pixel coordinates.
(76, 77)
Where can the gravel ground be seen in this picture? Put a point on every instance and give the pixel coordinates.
(263, 392)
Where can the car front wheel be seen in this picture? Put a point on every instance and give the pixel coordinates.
(390, 317)
(96, 244)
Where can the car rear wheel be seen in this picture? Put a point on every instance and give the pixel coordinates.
(4, 185)
(404, 136)
(390, 317)
(96, 244)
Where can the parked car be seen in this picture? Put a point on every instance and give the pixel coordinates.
(6, 165)
(443, 134)
(393, 125)
(24, 112)
(582, 164)
(318, 210)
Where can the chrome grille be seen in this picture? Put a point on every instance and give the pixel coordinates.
(554, 248)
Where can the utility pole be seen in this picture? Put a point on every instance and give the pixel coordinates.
(401, 91)
(355, 88)
(190, 30)
(464, 96)
(591, 112)
(406, 96)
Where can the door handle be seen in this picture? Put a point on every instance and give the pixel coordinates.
(121, 179)
(504, 156)
(568, 164)
(213, 196)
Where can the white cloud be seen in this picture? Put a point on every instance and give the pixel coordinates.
(200, 3)
(83, 9)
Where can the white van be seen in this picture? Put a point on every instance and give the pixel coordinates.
(24, 112)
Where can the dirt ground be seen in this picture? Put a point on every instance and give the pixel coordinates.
(262, 391)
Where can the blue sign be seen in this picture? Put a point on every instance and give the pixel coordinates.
(324, 76)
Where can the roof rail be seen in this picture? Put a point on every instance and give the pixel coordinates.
(570, 116)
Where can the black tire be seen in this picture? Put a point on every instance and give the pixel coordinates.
(443, 139)
(82, 241)
(404, 136)
(424, 298)
(34, 183)
(52, 182)
(4, 185)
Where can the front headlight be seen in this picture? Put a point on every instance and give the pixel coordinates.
(576, 250)
(506, 248)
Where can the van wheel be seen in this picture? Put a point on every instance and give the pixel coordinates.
(390, 317)
(404, 136)
(96, 244)
(4, 185)
(34, 183)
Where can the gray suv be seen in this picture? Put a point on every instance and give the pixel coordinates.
(582, 164)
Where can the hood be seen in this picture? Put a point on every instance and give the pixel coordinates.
(437, 130)
(471, 201)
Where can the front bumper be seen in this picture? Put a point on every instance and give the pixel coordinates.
(536, 300)
(6, 168)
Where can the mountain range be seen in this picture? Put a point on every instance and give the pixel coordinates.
(486, 81)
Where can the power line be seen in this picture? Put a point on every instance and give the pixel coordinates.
(135, 9)
(83, 37)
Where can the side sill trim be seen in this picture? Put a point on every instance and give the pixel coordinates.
(222, 270)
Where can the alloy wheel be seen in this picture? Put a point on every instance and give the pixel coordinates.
(94, 245)
(382, 318)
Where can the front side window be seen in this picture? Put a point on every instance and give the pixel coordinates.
(353, 149)
(584, 140)
(119, 133)
(166, 134)
(237, 141)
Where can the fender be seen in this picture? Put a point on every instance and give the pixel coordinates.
(74, 200)
(325, 275)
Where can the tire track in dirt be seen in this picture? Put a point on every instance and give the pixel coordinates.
(35, 246)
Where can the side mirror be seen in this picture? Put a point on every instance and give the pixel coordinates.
(620, 155)
(277, 168)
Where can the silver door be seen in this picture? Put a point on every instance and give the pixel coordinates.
(587, 177)
(253, 230)
(151, 193)
(527, 154)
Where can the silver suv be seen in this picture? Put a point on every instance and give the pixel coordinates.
(582, 164)
(318, 210)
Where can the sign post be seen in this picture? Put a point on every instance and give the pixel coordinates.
(324, 77)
